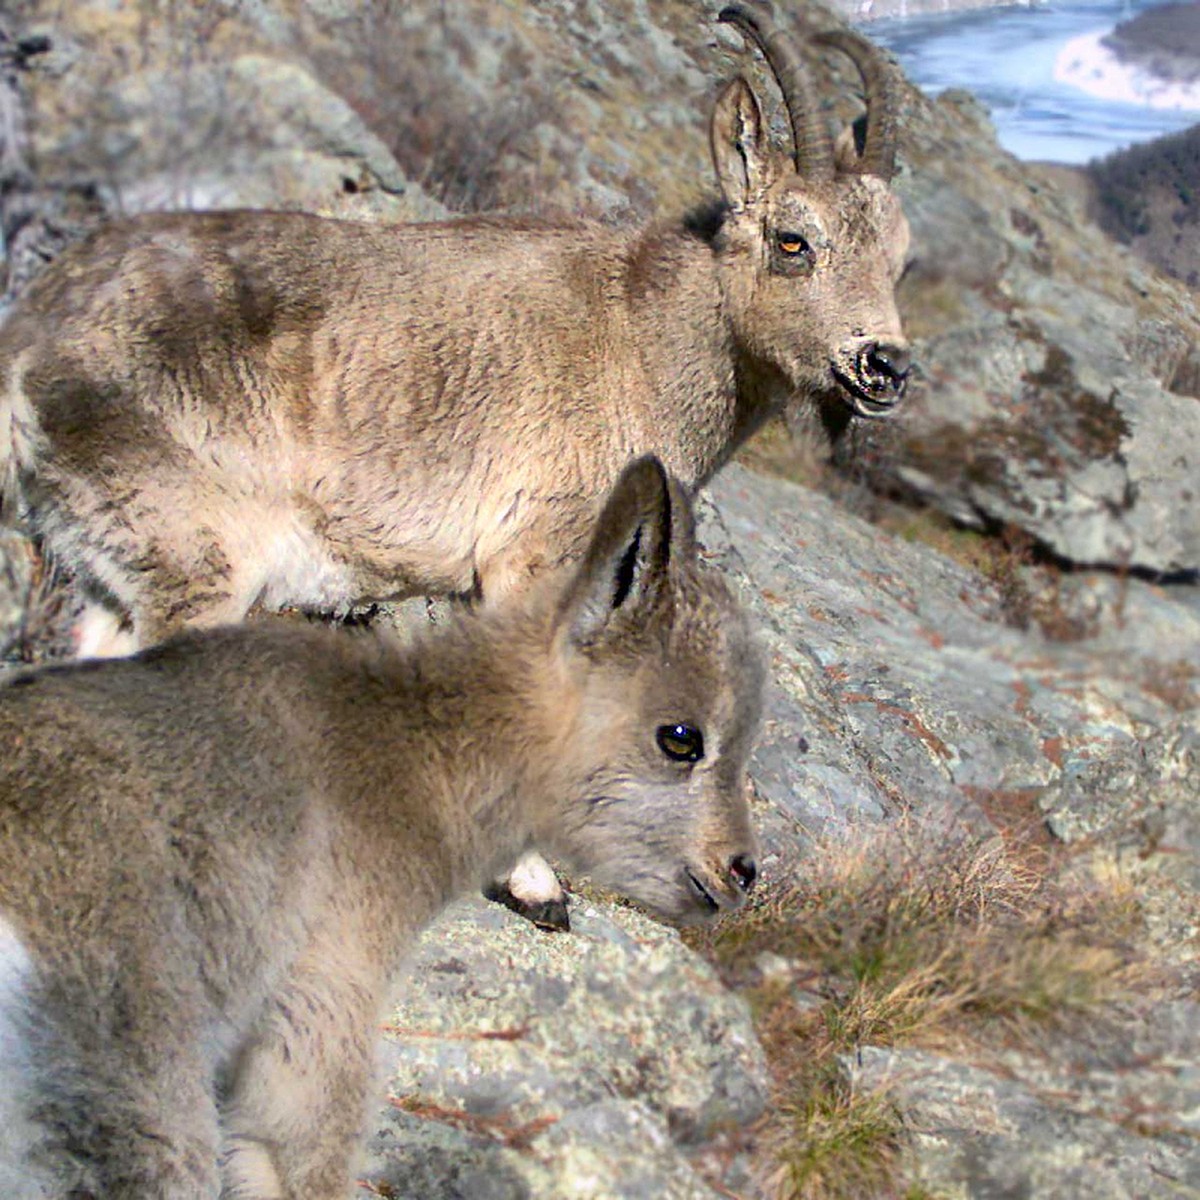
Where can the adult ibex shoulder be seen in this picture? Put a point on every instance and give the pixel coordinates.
(202, 411)
(212, 859)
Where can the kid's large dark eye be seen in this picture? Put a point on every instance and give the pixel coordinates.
(683, 743)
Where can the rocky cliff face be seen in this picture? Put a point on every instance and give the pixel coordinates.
(966, 685)
(1059, 390)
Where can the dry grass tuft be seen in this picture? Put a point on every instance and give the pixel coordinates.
(824, 1138)
(836, 1143)
(907, 935)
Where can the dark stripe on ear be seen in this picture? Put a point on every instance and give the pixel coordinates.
(626, 570)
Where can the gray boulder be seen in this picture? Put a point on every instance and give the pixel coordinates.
(523, 1064)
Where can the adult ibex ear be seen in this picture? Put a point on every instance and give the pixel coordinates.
(646, 526)
(848, 147)
(739, 145)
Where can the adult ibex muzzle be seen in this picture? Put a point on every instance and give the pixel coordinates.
(876, 376)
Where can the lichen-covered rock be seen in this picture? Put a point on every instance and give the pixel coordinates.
(558, 1060)
(192, 107)
(898, 672)
(1054, 394)
(1117, 1127)
(610, 1150)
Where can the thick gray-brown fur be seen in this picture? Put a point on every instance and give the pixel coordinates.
(199, 412)
(214, 854)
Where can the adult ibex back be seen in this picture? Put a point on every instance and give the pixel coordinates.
(214, 853)
(202, 411)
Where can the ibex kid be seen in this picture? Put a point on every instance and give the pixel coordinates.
(213, 854)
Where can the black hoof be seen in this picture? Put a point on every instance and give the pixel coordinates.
(551, 915)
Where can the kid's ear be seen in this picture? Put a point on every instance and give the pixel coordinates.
(739, 145)
(646, 525)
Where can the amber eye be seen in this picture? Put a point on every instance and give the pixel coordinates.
(683, 743)
(793, 245)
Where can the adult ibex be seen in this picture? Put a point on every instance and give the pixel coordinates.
(205, 410)
(212, 858)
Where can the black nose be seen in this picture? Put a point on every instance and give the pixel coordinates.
(881, 366)
(744, 871)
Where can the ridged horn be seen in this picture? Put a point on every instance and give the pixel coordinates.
(878, 156)
(755, 20)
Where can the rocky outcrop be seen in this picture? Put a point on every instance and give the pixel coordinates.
(1066, 1129)
(1058, 371)
(524, 1065)
(1057, 397)
(908, 674)
(193, 107)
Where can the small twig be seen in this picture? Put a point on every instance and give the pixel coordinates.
(513, 1034)
(499, 1129)
(382, 1189)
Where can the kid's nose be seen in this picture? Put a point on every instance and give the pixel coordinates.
(744, 871)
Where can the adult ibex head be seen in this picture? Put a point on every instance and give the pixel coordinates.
(822, 224)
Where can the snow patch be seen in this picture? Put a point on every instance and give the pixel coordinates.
(1090, 66)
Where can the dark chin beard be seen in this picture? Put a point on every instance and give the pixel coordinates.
(823, 414)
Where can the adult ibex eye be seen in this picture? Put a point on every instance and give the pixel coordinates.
(683, 743)
(794, 245)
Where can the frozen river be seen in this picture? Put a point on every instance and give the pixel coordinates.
(1031, 65)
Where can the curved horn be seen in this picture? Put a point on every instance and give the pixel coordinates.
(878, 156)
(756, 22)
